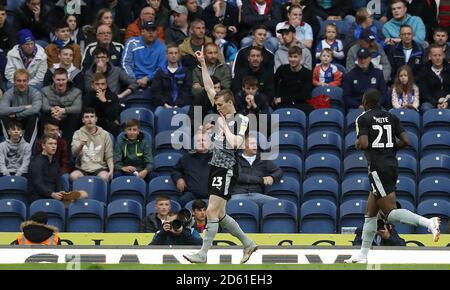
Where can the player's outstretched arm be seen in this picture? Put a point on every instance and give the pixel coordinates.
(207, 81)
(236, 141)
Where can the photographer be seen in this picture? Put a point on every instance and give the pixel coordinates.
(176, 231)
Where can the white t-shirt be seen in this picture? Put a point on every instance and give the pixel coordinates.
(407, 53)
(261, 8)
(250, 159)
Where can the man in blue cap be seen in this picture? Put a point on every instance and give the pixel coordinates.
(28, 55)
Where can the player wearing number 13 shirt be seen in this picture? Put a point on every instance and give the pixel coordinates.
(377, 131)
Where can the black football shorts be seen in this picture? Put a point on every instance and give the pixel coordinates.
(383, 181)
(222, 180)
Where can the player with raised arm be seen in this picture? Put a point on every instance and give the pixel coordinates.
(376, 131)
(229, 134)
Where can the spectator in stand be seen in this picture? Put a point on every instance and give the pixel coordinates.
(391, 29)
(194, 10)
(22, 103)
(191, 182)
(293, 83)
(287, 33)
(405, 93)
(105, 104)
(199, 215)
(361, 78)
(64, 8)
(325, 73)
(62, 154)
(143, 55)
(330, 41)
(444, 15)
(216, 67)
(62, 39)
(378, 56)
(407, 52)
(154, 221)
(308, 13)
(7, 34)
(222, 12)
(379, 10)
(227, 48)
(249, 100)
(104, 39)
(162, 14)
(62, 101)
(334, 10)
(255, 174)
(76, 34)
(364, 20)
(255, 68)
(259, 34)
(65, 57)
(440, 38)
(178, 31)
(104, 17)
(133, 153)
(171, 235)
(15, 152)
(434, 79)
(303, 31)
(28, 55)
(117, 77)
(37, 231)
(148, 14)
(172, 84)
(260, 12)
(34, 16)
(94, 149)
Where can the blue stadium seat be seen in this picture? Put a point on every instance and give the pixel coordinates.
(436, 120)
(150, 207)
(349, 144)
(320, 187)
(171, 142)
(432, 208)
(128, 187)
(143, 115)
(162, 185)
(413, 147)
(341, 68)
(406, 189)
(86, 216)
(405, 228)
(352, 214)
(318, 216)
(355, 165)
(123, 216)
(326, 120)
(288, 142)
(245, 213)
(164, 163)
(435, 143)
(291, 165)
(410, 119)
(431, 188)
(55, 210)
(291, 119)
(140, 99)
(12, 213)
(435, 165)
(323, 165)
(350, 120)
(14, 187)
(146, 135)
(355, 188)
(189, 204)
(279, 217)
(324, 142)
(164, 119)
(407, 165)
(287, 189)
(95, 187)
(335, 93)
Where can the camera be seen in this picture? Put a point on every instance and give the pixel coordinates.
(380, 224)
(176, 224)
(184, 219)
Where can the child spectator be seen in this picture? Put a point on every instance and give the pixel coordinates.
(405, 93)
(15, 152)
(331, 42)
(154, 221)
(132, 153)
(326, 73)
(249, 100)
(76, 34)
(62, 39)
(227, 48)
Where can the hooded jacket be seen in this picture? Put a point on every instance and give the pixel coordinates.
(36, 69)
(137, 153)
(391, 29)
(173, 89)
(38, 233)
(52, 51)
(282, 56)
(175, 35)
(97, 151)
(44, 177)
(14, 157)
(221, 71)
(69, 100)
(115, 76)
(14, 102)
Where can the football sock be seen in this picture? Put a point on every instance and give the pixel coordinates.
(232, 226)
(212, 227)
(369, 231)
(406, 217)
